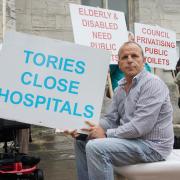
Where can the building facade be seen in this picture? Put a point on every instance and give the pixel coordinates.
(51, 18)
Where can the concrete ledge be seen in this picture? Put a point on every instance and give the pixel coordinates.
(166, 170)
(176, 126)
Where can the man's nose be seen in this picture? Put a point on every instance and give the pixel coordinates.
(129, 58)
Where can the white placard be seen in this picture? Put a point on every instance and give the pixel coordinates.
(159, 45)
(99, 28)
(50, 82)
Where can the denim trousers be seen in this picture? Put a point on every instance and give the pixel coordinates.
(95, 158)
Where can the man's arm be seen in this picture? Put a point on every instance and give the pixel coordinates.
(111, 118)
(153, 94)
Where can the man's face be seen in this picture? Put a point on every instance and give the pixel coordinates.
(130, 60)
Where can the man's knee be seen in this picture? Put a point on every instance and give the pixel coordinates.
(93, 147)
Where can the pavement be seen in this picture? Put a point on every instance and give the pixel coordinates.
(56, 153)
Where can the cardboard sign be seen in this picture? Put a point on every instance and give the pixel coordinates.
(99, 28)
(159, 45)
(50, 82)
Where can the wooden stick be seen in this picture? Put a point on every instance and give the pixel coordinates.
(173, 73)
(110, 86)
(155, 71)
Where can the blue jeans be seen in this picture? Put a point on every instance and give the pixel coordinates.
(95, 158)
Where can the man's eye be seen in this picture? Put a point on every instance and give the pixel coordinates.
(134, 56)
(124, 57)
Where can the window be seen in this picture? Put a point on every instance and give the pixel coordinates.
(97, 3)
(118, 5)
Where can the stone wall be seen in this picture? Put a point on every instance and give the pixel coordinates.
(7, 16)
(49, 18)
(10, 15)
(1, 20)
(164, 13)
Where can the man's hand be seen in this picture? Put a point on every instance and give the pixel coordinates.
(94, 131)
(73, 133)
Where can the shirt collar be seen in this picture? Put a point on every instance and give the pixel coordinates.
(135, 80)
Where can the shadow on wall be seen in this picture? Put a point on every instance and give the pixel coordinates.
(176, 142)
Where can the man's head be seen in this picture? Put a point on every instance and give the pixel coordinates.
(131, 59)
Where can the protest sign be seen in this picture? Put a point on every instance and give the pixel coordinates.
(50, 82)
(159, 45)
(99, 28)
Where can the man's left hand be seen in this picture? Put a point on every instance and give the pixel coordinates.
(94, 131)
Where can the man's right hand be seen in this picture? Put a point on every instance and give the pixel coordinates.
(73, 133)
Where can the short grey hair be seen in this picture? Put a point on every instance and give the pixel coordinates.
(130, 42)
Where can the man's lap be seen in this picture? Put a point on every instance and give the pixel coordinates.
(122, 151)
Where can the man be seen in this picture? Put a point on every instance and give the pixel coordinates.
(178, 66)
(177, 79)
(138, 127)
(116, 73)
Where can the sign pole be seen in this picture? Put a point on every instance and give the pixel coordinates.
(110, 86)
(110, 89)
